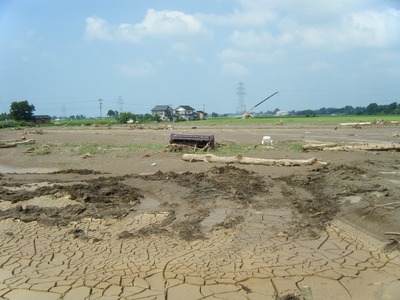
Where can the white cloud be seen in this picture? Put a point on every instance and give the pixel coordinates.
(335, 25)
(138, 70)
(236, 69)
(370, 28)
(161, 24)
(97, 28)
(170, 23)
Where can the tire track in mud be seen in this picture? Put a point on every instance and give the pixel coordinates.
(276, 245)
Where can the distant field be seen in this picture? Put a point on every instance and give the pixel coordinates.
(221, 121)
(324, 119)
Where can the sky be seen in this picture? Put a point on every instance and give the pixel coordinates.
(65, 56)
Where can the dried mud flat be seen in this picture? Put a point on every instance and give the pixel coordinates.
(149, 226)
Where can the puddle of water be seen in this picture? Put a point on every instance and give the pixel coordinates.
(215, 217)
(147, 204)
(4, 169)
(351, 199)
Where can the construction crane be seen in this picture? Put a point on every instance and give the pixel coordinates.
(246, 114)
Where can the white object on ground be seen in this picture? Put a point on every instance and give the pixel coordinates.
(266, 140)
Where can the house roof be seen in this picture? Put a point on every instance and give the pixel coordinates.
(186, 107)
(161, 108)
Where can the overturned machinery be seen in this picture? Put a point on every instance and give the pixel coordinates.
(192, 140)
(246, 114)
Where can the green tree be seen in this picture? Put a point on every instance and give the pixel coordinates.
(111, 113)
(124, 117)
(156, 117)
(22, 111)
(372, 109)
(3, 117)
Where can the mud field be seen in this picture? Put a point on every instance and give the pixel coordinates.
(107, 213)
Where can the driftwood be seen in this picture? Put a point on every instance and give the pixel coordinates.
(366, 147)
(239, 159)
(318, 147)
(393, 233)
(356, 124)
(9, 144)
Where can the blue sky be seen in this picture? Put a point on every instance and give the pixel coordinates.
(63, 56)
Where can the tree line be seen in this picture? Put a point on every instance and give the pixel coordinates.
(23, 111)
(372, 109)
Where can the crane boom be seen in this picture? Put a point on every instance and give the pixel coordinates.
(246, 114)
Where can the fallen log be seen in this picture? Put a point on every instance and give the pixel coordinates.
(366, 147)
(317, 147)
(239, 159)
(355, 124)
(9, 144)
(392, 233)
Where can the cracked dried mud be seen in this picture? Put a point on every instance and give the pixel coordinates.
(146, 225)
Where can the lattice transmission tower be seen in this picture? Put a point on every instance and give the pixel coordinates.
(241, 92)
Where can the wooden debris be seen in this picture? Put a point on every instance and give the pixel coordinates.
(365, 147)
(239, 159)
(392, 233)
(318, 147)
(356, 124)
(10, 144)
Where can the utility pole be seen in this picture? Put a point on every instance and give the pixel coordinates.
(241, 92)
(120, 103)
(101, 112)
(63, 109)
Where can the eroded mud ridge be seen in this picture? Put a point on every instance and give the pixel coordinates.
(223, 234)
(188, 198)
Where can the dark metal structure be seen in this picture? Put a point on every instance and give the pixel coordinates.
(198, 141)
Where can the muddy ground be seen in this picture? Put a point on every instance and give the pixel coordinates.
(54, 184)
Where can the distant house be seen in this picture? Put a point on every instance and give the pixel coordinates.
(186, 112)
(200, 115)
(42, 119)
(164, 111)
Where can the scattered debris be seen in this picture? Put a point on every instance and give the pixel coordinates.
(266, 140)
(87, 155)
(365, 147)
(393, 241)
(37, 131)
(10, 144)
(356, 124)
(317, 146)
(239, 159)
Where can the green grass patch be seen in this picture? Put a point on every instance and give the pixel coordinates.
(122, 150)
(40, 152)
(302, 120)
(235, 149)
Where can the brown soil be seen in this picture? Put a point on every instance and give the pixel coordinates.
(316, 195)
(360, 188)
